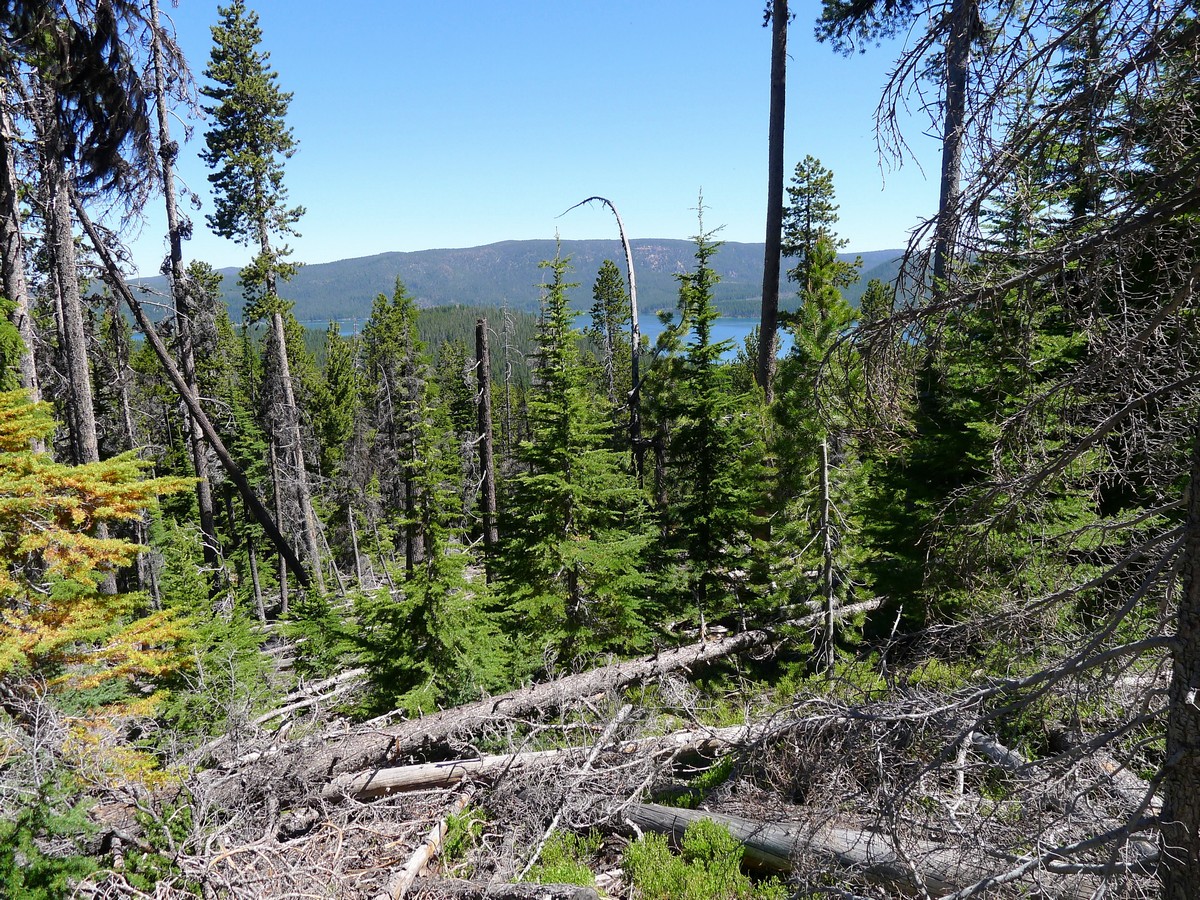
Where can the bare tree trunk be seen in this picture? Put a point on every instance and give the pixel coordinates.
(487, 461)
(826, 527)
(958, 58)
(12, 251)
(168, 151)
(1180, 861)
(769, 323)
(277, 489)
(292, 425)
(259, 608)
(358, 568)
(66, 273)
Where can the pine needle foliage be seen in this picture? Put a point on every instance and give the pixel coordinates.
(55, 622)
(578, 524)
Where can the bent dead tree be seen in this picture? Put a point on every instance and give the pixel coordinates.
(635, 336)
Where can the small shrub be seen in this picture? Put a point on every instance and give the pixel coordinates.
(563, 860)
(708, 869)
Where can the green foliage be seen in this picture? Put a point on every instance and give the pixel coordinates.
(56, 621)
(703, 784)
(463, 831)
(246, 146)
(808, 219)
(11, 346)
(708, 868)
(566, 859)
(576, 522)
(712, 487)
(28, 872)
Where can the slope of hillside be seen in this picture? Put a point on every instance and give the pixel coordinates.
(507, 273)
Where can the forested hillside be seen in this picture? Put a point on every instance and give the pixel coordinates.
(506, 274)
(489, 598)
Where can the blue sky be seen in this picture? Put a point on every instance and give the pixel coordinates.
(426, 125)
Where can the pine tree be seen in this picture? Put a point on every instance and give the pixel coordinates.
(576, 527)
(712, 483)
(57, 624)
(246, 147)
(609, 316)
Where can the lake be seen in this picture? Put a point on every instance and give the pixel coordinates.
(724, 329)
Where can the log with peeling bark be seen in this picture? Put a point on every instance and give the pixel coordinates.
(938, 869)
(359, 751)
(455, 889)
(429, 776)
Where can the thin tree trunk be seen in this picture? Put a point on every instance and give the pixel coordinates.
(292, 413)
(1180, 861)
(958, 58)
(487, 460)
(273, 457)
(358, 568)
(769, 323)
(79, 376)
(12, 252)
(827, 556)
(168, 151)
(117, 283)
(259, 608)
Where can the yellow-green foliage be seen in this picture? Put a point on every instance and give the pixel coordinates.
(54, 620)
(708, 869)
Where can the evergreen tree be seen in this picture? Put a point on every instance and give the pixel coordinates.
(246, 147)
(713, 478)
(609, 316)
(576, 528)
(809, 217)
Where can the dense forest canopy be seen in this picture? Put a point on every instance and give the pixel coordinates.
(913, 611)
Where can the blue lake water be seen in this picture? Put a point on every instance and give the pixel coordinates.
(724, 329)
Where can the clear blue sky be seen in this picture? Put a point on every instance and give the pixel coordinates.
(439, 124)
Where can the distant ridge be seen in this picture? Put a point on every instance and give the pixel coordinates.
(507, 273)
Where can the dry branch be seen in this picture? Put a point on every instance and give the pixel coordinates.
(400, 883)
(428, 776)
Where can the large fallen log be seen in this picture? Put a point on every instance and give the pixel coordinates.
(358, 751)
(938, 869)
(429, 776)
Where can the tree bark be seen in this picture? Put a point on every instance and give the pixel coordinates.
(358, 752)
(958, 58)
(487, 459)
(769, 323)
(168, 150)
(292, 426)
(1180, 849)
(935, 868)
(12, 251)
(826, 530)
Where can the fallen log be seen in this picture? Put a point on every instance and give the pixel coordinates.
(935, 868)
(358, 751)
(429, 776)
(454, 889)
